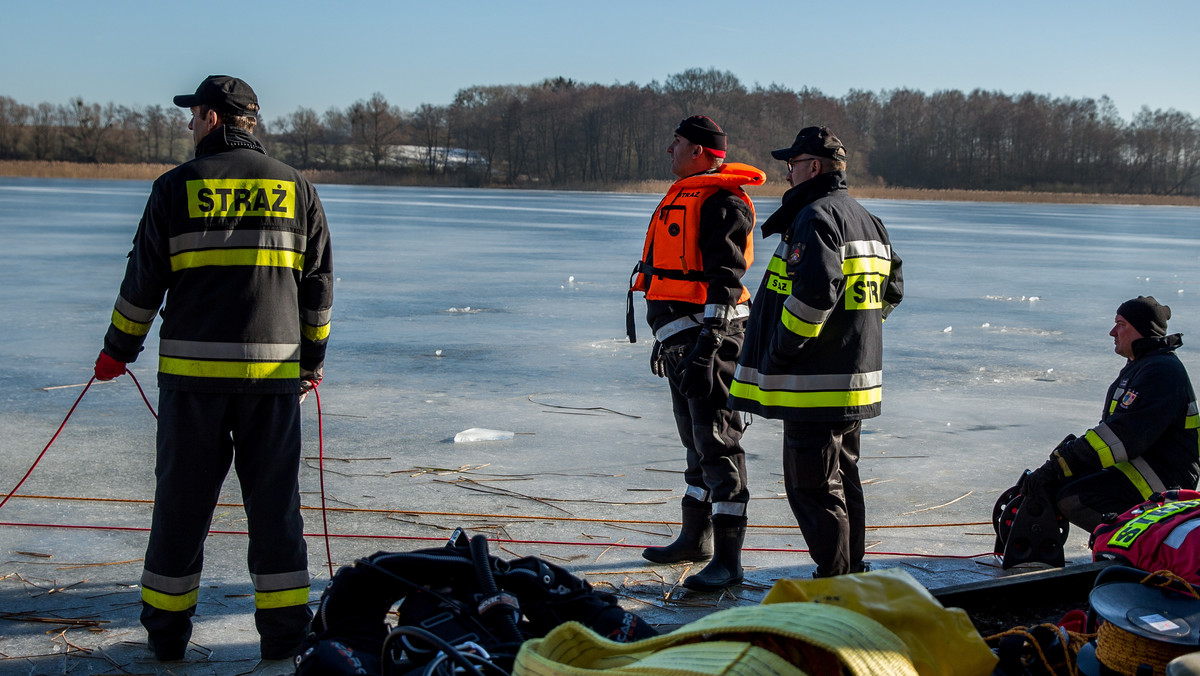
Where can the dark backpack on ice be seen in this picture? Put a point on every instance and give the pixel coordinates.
(455, 606)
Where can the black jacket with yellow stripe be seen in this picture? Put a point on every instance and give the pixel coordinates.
(238, 244)
(814, 342)
(1148, 429)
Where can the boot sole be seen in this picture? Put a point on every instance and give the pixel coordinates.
(684, 559)
(709, 587)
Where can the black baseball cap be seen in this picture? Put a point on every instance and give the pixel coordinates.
(224, 94)
(817, 141)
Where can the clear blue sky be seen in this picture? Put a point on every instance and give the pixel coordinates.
(324, 54)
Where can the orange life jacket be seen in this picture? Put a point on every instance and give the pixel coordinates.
(671, 254)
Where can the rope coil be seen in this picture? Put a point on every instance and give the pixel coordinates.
(1125, 652)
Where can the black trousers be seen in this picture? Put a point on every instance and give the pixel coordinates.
(820, 474)
(1085, 501)
(711, 433)
(200, 435)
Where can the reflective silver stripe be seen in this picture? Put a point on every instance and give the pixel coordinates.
(278, 581)
(316, 317)
(1192, 410)
(1113, 441)
(821, 382)
(866, 247)
(726, 312)
(237, 239)
(133, 312)
(170, 585)
(730, 508)
(1179, 533)
(1156, 484)
(698, 493)
(195, 349)
(806, 313)
(682, 324)
(781, 251)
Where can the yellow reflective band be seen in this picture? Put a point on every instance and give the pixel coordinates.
(171, 602)
(1112, 406)
(858, 266)
(832, 399)
(281, 599)
(1102, 450)
(863, 292)
(270, 258)
(228, 369)
(226, 198)
(125, 325)
(1135, 477)
(316, 332)
(1191, 422)
(777, 279)
(799, 326)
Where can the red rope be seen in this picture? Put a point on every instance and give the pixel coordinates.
(143, 393)
(321, 475)
(60, 429)
(440, 538)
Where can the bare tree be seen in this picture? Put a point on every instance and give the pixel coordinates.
(375, 126)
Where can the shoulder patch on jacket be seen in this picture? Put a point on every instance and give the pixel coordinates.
(1128, 399)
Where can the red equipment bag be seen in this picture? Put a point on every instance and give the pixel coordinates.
(1162, 533)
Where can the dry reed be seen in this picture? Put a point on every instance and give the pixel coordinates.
(773, 188)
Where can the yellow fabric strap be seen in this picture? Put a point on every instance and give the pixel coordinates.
(228, 369)
(281, 599)
(125, 325)
(271, 258)
(170, 602)
(717, 644)
(831, 399)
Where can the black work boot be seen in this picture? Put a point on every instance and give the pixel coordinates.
(695, 536)
(726, 567)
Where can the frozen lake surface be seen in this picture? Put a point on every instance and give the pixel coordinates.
(504, 310)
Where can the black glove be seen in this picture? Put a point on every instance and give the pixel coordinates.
(695, 371)
(658, 360)
(1045, 479)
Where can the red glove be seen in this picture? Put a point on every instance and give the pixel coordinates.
(108, 368)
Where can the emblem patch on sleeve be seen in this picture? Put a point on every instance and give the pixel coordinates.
(797, 255)
(1128, 399)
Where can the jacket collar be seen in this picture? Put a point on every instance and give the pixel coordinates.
(226, 137)
(800, 196)
(1153, 344)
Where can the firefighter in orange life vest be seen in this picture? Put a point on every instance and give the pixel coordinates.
(698, 246)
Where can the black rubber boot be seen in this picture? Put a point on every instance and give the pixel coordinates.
(726, 567)
(695, 536)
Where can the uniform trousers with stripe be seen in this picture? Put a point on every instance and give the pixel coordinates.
(820, 475)
(199, 436)
(712, 434)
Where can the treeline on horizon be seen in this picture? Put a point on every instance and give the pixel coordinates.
(563, 133)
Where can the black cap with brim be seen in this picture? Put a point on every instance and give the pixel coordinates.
(817, 141)
(223, 93)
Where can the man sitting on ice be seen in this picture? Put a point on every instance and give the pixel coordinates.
(1146, 441)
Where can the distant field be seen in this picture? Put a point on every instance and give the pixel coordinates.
(147, 172)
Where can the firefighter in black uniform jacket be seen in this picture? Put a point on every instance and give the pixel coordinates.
(814, 345)
(698, 246)
(237, 243)
(1146, 441)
